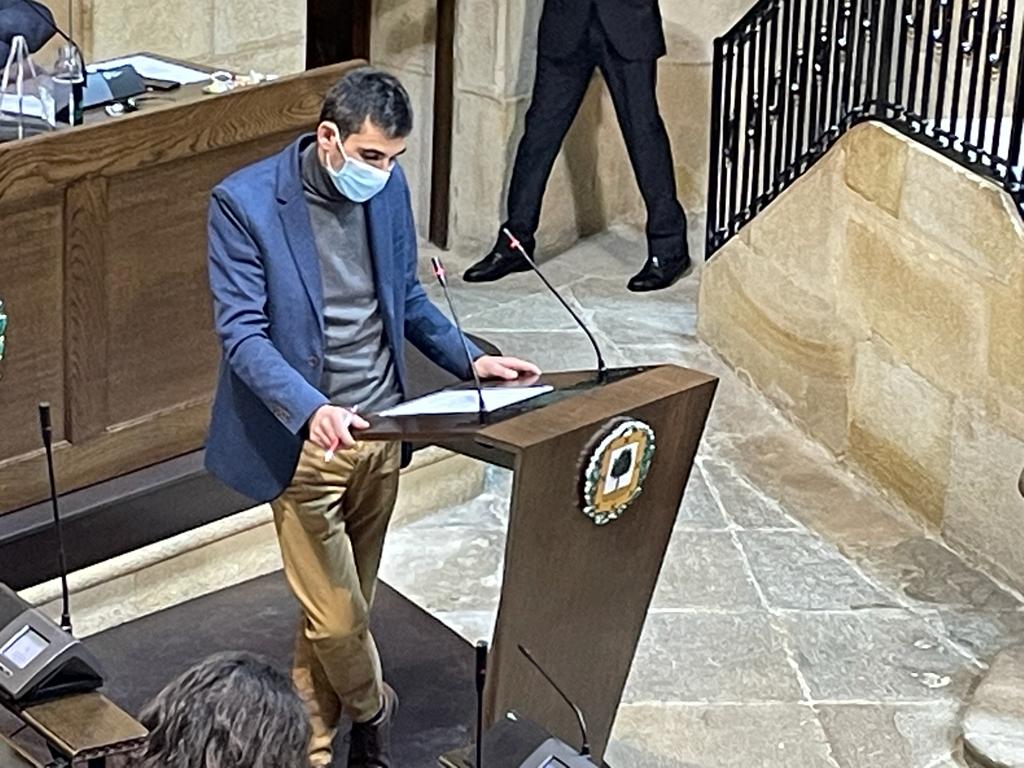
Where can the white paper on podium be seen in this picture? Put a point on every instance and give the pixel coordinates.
(155, 69)
(451, 401)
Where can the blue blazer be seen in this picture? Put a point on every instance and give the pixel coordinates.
(269, 314)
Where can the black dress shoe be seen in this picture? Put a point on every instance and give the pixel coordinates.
(658, 273)
(501, 261)
(370, 743)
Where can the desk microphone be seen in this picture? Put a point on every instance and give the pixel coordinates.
(513, 241)
(38, 659)
(47, 431)
(585, 746)
(442, 278)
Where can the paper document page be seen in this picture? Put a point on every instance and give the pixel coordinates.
(155, 69)
(30, 106)
(452, 401)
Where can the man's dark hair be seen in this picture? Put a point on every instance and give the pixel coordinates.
(233, 710)
(368, 93)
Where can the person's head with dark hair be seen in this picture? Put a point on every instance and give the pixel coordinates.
(364, 123)
(232, 710)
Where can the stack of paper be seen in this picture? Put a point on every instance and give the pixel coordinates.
(155, 69)
(454, 401)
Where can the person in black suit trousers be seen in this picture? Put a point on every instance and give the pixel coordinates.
(17, 18)
(624, 39)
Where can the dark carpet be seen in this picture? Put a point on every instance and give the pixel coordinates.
(430, 666)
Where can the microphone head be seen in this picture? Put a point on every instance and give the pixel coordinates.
(481, 657)
(439, 273)
(44, 417)
(513, 241)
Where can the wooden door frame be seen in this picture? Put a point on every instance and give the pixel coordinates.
(337, 30)
(444, 107)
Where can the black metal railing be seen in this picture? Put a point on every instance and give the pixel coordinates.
(792, 76)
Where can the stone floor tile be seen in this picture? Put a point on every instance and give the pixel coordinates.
(559, 269)
(743, 504)
(631, 318)
(718, 736)
(875, 655)
(535, 312)
(471, 625)
(686, 352)
(699, 509)
(704, 570)
(552, 351)
(817, 494)
(798, 570)
(711, 657)
(487, 512)
(498, 481)
(925, 571)
(441, 570)
(473, 300)
(892, 736)
(616, 253)
(980, 633)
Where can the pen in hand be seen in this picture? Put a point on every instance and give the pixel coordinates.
(329, 453)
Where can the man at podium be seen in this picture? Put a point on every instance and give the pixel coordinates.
(312, 258)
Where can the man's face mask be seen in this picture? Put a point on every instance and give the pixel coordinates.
(357, 180)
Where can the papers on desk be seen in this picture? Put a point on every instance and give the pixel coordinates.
(155, 69)
(453, 401)
(30, 106)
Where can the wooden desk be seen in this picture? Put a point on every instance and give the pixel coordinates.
(103, 271)
(87, 727)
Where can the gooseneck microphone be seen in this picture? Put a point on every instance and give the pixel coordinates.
(585, 746)
(481, 680)
(513, 241)
(46, 429)
(442, 279)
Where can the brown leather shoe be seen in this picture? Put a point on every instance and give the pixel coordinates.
(370, 743)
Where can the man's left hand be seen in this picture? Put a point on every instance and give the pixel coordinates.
(507, 368)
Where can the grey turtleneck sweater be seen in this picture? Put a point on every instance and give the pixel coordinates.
(359, 369)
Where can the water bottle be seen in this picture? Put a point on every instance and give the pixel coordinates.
(69, 71)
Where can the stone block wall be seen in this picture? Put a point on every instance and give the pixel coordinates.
(240, 35)
(402, 41)
(880, 303)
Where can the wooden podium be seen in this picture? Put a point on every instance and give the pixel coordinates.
(574, 592)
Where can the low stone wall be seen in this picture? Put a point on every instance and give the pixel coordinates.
(880, 303)
(232, 550)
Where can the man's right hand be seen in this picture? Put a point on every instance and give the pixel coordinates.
(331, 427)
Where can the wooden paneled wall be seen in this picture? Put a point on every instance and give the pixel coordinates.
(103, 271)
